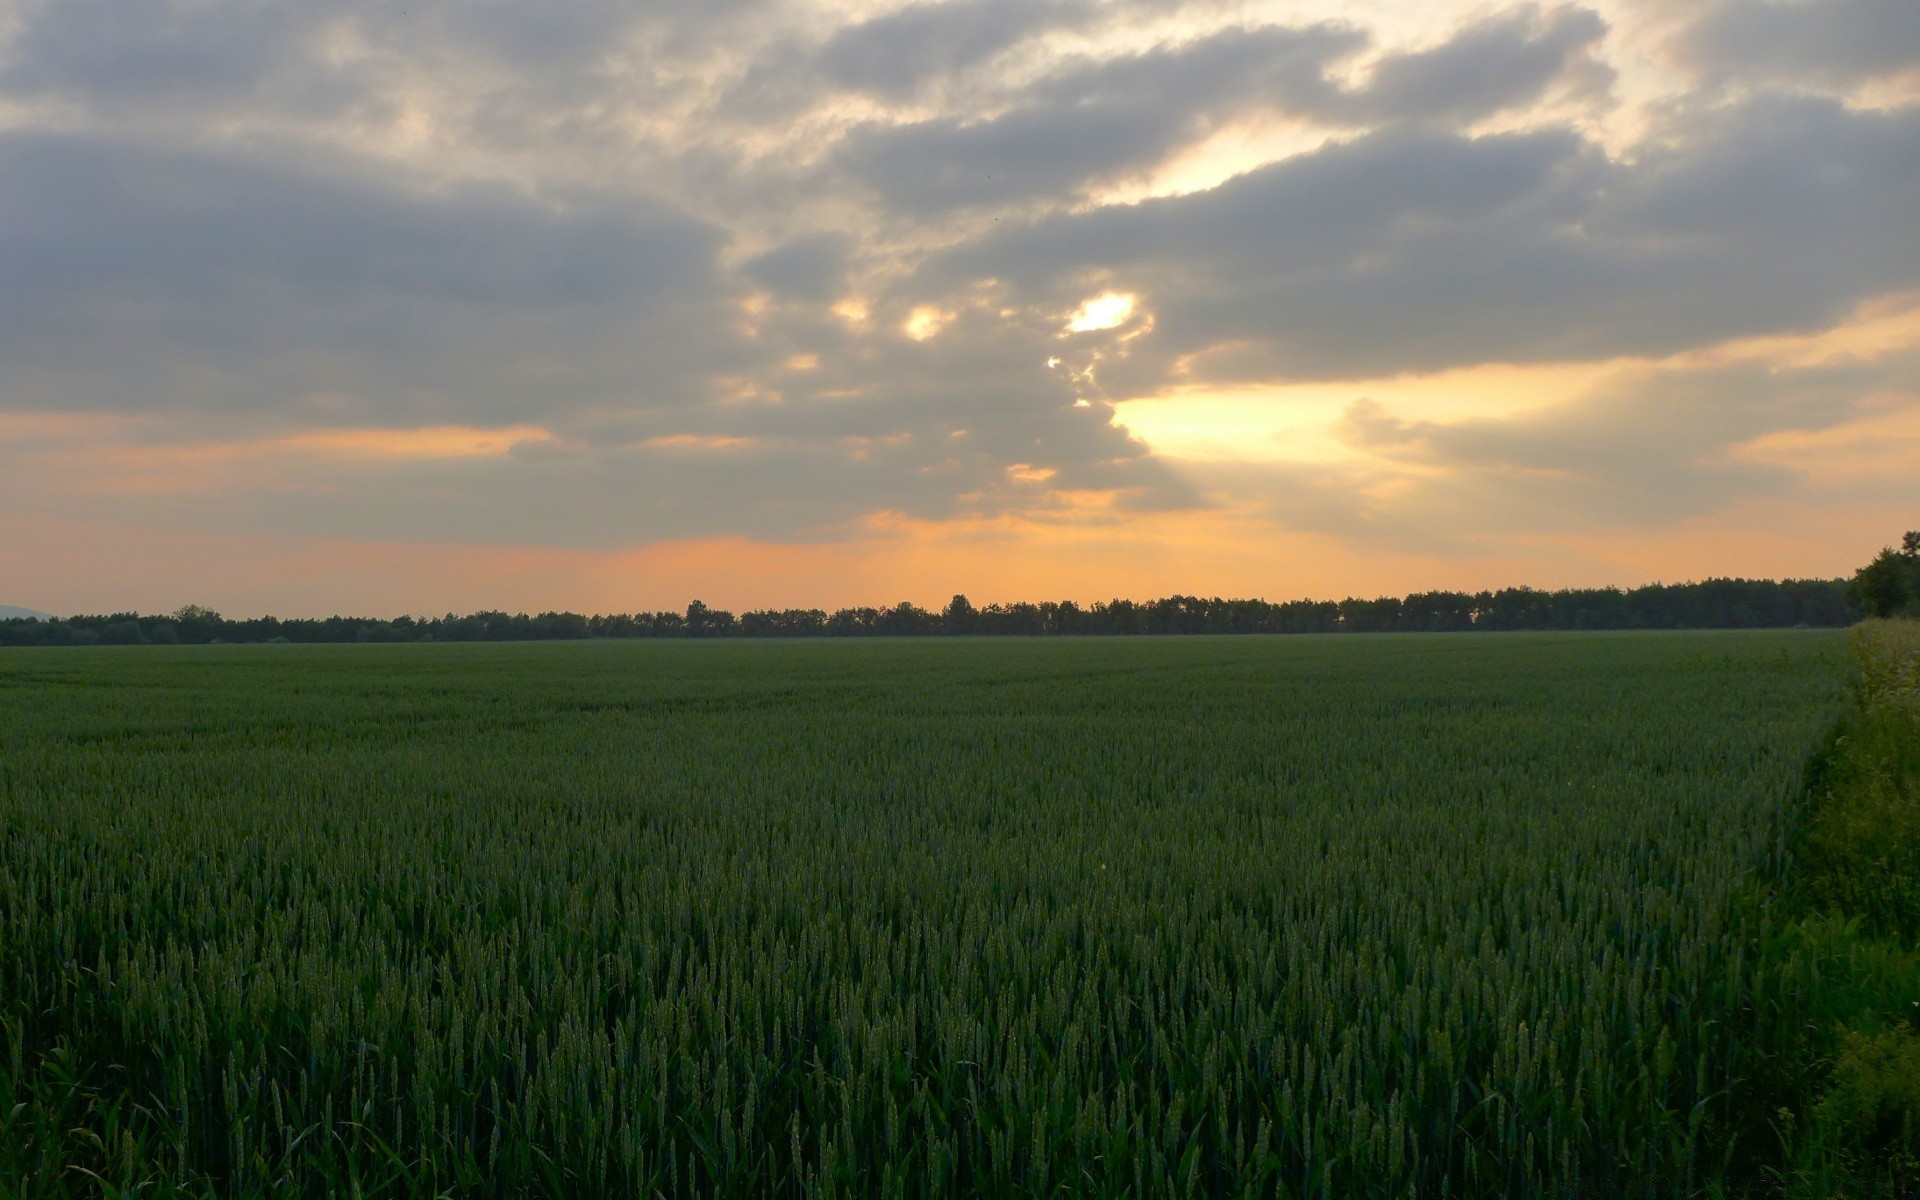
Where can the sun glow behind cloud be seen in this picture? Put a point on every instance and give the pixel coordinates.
(926, 322)
(1293, 422)
(1108, 310)
(1296, 422)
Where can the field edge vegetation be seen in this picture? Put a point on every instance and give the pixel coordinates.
(1841, 1109)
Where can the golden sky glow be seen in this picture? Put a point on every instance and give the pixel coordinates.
(1298, 422)
(1294, 422)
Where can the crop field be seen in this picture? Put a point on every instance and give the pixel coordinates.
(1335, 917)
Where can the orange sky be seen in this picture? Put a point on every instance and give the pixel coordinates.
(78, 566)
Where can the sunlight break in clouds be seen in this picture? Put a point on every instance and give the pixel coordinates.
(1074, 298)
(1104, 311)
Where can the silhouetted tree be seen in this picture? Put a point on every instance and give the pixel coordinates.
(698, 617)
(1890, 585)
(959, 616)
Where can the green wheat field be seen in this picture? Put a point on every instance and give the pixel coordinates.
(1407, 915)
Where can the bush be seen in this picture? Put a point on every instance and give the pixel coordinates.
(1874, 1101)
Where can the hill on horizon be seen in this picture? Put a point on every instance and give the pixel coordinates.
(10, 613)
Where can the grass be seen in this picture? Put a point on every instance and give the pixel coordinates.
(1408, 915)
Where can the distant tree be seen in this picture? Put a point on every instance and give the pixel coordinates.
(192, 623)
(906, 619)
(709, 622)
(853, 622)
(123, 633)
(550, 626)
(959, 616)
(1890, 584)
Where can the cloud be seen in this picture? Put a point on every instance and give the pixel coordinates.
(1650, 447)
(811, 267)
(1412, 249)
(234, 295)
(1499, 63)
(125, 50)
(1832, 42)
(796, 480)
(894, 53)
(1094, 120)
(146, 279)
(186, 51)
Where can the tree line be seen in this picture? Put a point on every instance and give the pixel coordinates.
(1712, 604)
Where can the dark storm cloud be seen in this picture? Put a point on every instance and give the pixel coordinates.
(1841, 42)
(141, 279)
(1407, 250)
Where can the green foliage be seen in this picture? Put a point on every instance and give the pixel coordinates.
(1847, 955)
(1317, 917)
(1860, 846)
(1874, 1100)
(1889, 586)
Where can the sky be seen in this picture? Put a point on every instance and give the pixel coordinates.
(384, 306)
